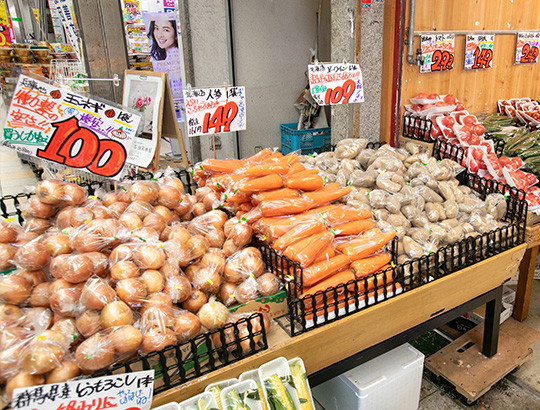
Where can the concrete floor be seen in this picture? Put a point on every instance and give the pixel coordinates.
(518, 391)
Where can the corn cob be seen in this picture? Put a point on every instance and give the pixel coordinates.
(278, 395)
(301, 386)
(261, 395)
(216, 392)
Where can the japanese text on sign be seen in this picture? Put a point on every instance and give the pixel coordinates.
(332, 84)
(437, 52)
(121, 392)
(527, 47)
(479, 51)
(215, 110)
(46, 122)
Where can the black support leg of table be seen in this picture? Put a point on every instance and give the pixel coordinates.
(491, 324)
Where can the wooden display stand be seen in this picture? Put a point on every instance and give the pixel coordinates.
(472, 373)
(377, 328)
(526, 272)
(167, 125)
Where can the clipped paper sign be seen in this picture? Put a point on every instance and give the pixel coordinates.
(437, 52)
(479, 51)
(527, 47)
(57, 125)
(215, 110)
(332, 84)
(129, 391)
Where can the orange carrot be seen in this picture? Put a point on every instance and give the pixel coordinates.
(326, 254)
(324, 196)
(331, 282)
(245, 206)
(309, 253)
(266, 183)
(261, 170)
(372, 264)
(319, 271)
(342, 214)
(225, 166)
(237, 196)
(353, 228)
(361, 248)
(305, 183)
(277, 194)
(300, 231)
(253, 216)
(291, 250)
(370, 233)
(276, 229)
(295, 168)
(220, 182)
(285, 206)
(258, 157)
(299, 174)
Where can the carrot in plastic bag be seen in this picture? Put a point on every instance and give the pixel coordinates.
(295, 168)
(323, 196)
(300, 231)
(331, 282)
(371, 264)
(319, 271)
(361, 248)
(304, 173)
(225, 166)
(309, 253)
(277, 194)
(253, 216)
(293, 249)
(353, 228)
(259, 157)
(280, 228)
(325, 255)
(341, 215)
(266, 183)
(268, 169)
(305, 182)
(285, 206)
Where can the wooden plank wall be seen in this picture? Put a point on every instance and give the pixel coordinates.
(479, 90)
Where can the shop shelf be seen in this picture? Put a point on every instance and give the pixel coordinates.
(203, 354)
(10, 204)
(308, 141)
(313, 311)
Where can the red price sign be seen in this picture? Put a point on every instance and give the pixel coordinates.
(215, 110)
(482, 58)
(220, 119)
(527, 48)
(340, 94)
(79, 147)
(442, 60)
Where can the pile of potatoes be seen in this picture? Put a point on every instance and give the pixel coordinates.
(99, 279)
(411, 193)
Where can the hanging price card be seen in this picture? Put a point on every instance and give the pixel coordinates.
(479, 51)
(130, 391)
(437, 52)
(527, 47)
(63, 127)
(332, 84)
(215, 110)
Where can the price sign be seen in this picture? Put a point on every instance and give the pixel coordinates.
(437, 52)
(332, 84)
(130, 391)
(479, 51)
(215, 110)
(527, 47)
(47, 122)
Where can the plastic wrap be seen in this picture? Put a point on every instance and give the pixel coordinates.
(55, 192)
(243, 264)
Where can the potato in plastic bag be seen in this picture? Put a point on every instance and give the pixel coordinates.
(364, 157)
(364, 179)
(386, 163)
(349, 148)
(412, 248)
(384, 181)
(496, 206)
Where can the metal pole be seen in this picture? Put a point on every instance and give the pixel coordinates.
(410, 39)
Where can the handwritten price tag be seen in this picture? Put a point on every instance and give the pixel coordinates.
(332, 84)
(527, 47)
(66, 128)
(215, 110)
(438, 52)
(479, 51)
(130, 391)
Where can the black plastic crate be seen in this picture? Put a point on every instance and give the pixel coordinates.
(417, 128)
(10, 204)
(203, 354)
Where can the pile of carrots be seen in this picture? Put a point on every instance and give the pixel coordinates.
(291, 208)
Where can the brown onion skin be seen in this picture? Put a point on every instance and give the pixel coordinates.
(89, 323)
(14, 290)
(95, 353)
(157, 339)
(7, 254)
(131, 291)
(40, 209)
(97, 294)
(187, 326)
(50, 192)
(40, 296)
(116, 314)
(126, 339)
(23, 380)
(195, 301)
(66, 371)
(57, 244)
(32, 256)
(8, 233)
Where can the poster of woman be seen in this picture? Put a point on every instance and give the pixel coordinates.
(163, 35)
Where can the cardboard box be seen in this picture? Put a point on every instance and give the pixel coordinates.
(423, 145)
(275, 305)
(478, 314)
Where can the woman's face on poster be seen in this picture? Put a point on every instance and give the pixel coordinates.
(164, 34)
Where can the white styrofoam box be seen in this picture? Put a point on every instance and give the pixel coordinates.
(509, 295)
(169, 406)
(390, 381)
(477, 315)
